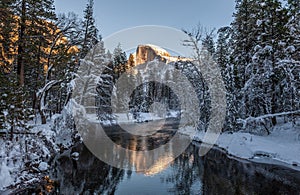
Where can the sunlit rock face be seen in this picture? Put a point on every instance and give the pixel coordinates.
(147, 53)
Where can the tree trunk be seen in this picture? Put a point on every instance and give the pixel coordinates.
(11, 133)
(20, 61)
(274, 120)
(43, 117)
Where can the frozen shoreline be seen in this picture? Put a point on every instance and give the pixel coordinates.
(282, 146)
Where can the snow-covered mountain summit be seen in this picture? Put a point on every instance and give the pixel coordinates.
(149, 52)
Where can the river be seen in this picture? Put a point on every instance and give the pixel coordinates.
(189, 173)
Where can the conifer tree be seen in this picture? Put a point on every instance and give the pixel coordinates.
(242, 39)
(90, 35)
(208, 43)
(131, 62)
(7, 34)
(119, 61)
(291, 62)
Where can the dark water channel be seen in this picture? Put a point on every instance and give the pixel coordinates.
(215, 173)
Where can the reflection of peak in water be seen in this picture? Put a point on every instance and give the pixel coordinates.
(134, 136)
(159, 166)
(140, 161)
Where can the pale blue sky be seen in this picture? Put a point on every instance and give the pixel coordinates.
(115, 15)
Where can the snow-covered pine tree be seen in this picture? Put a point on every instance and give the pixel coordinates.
(291, 62)
(223, 46)
(258, 28)
(242, 42)
(90, 36)
(242, 39)
(104, 89)
(87, 43)
(223, 57)
(119, 61)
(88, 77)
(35, 24)
(31, 23)
(208, 42)
(8, 28)
(7, 45)
(263, 75)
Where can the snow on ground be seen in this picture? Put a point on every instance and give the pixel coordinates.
(5, 175)
(282, 145)
(142, 117)
(23, 159)
(124, 118)
(24, 155)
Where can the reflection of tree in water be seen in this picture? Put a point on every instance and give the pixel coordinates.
(215, 173)
(87, 175)
(186, 173)
(223, 175)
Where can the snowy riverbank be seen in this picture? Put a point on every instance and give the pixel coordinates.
(24, 159)
(282, 146)
(123, 118)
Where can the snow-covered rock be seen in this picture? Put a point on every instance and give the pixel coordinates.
(5, 176)
(75, 155)
(43, 166)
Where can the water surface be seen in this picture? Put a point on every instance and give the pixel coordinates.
(215, 173)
